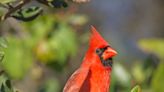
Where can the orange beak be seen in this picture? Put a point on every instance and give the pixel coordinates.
(109, 53)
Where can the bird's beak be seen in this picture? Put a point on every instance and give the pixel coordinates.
(109, 53)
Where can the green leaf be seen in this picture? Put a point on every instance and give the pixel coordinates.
(8, 83)
(153, 45)
(63, 43)
(53, 39)
(27, 14)
(18, 59)
(158, 81)
(137, 88)
(40, 27)
(5, 84)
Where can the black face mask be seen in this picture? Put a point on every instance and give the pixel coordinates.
(107, 62)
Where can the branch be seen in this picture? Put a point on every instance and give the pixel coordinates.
(14, 9)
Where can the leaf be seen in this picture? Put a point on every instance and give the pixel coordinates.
(53, 39)
(27, 14)
(5, 84)
(63, 43)
(58, 47)
(39, 28)
(157, 81)
(153, 45)
(17, 58)
(137, 88)
(8, 83)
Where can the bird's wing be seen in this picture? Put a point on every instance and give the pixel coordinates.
(76, 80)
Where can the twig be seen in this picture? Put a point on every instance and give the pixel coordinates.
(12, 10)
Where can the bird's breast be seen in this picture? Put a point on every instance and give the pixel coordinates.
(100, 79)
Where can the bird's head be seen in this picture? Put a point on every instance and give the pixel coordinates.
(101, 48)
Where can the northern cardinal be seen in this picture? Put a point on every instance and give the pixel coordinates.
(95, 70)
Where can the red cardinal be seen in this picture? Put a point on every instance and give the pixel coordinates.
(95, 70)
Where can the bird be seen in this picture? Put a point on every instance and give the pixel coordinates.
(94, 74)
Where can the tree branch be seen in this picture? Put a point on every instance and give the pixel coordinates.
(14, 9)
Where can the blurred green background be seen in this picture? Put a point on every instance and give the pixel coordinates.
(39, 56)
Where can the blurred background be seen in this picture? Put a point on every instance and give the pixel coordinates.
(40, 55)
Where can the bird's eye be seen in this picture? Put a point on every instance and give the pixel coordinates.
(98, 51)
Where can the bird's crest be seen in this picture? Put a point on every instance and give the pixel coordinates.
(96, 39)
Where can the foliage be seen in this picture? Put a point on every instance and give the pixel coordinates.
(5, 85)
(6, 1)
(153, 45)
(136, 89)
(157, 81)
(2, 46)
(51, 85)
(125, 77)
(16, 62)
(48, 39)
(29, 13)
(148, 72)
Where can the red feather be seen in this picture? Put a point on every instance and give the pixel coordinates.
(92, 76)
